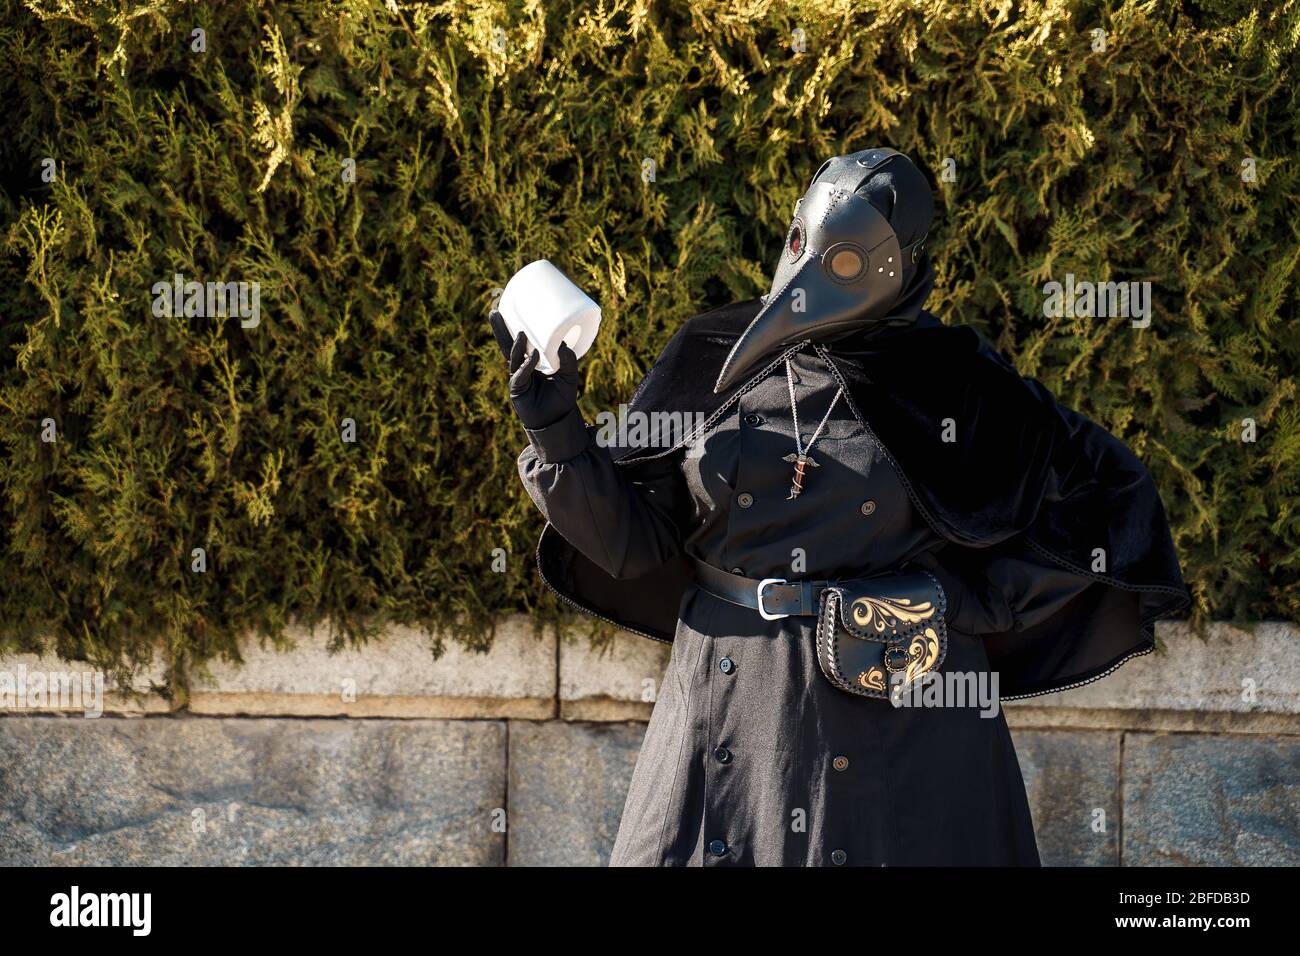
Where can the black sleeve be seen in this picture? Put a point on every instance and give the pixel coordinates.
(1001, 590)
(625, 518)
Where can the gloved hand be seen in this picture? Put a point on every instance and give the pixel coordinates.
(539, 400)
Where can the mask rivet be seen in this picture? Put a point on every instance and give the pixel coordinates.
(891, 259)
(891, 274)
(881, 269)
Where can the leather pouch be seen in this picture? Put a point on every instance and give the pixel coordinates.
(875, 636)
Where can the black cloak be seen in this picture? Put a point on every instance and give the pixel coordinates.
(990, 459)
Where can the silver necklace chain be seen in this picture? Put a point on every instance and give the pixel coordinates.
(794, 413)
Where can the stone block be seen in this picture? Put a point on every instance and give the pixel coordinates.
(1211, 800)
(182, 791)
(568, 782)
(1229, 670)
(44, 684)
(1072, 779)
(394, 676)
(616, 682)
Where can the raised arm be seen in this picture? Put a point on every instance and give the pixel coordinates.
(625, 519)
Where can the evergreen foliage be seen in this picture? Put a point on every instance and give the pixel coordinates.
(489, 134)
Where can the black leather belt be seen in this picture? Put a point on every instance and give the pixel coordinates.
(773, 598)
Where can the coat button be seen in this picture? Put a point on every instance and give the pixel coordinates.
(753, 420)
(723, 755)
(717, 847)
(726, 665)
(840, 763)
(868, 507)
(838, 857)
(745, 499)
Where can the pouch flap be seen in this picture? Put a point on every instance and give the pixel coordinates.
(891, 607)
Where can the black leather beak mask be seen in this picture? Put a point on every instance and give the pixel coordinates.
(842, 266)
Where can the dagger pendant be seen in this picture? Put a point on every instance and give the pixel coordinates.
(801, 464)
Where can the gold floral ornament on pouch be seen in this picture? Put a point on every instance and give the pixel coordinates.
(876, 636)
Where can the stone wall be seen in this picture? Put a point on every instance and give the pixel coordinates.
(523, 755)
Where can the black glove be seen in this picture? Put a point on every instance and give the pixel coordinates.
(540, 400)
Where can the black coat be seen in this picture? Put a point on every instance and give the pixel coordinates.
(937, 455)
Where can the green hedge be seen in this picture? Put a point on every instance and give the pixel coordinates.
(487, 135)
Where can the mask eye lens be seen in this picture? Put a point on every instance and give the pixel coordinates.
(796, 241)
(846, 264)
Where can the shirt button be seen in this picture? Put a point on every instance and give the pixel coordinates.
(726, 665)
(745, 499)
(717, 847)
(868, 507)
(840, 763)
(838, 857)
(723, 755)
(753, 420)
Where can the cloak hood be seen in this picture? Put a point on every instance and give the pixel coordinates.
(991, 461)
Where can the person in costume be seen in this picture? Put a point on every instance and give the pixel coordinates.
(875, 509)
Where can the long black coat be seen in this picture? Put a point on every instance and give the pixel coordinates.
(751, 756)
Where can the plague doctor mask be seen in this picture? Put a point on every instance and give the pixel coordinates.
(844, 265)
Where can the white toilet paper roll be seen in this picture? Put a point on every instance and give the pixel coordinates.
(540, 301)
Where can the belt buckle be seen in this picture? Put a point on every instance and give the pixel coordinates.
(759, 591)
